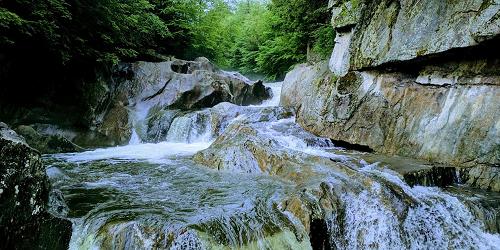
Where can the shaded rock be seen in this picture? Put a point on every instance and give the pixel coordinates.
(433, 176)
(484, 177)
(47, 143)
(159, 124)
(388, 31)
(24, 189)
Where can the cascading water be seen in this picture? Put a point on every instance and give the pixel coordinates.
(154, 196)
(276, 94)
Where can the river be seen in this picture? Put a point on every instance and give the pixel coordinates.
(156, 196)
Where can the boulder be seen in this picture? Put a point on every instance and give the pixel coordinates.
(186, 85)
(46, 143)
(144, 92)
(24, 191)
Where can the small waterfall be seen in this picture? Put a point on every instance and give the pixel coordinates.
(193, 127)
(134, 138)
(389, 214)
(137, 118)
(276, 94)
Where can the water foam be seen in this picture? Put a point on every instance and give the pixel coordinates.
(158, 153)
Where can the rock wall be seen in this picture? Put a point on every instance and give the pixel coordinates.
(24, 191)
(412, 78)
(386, 31)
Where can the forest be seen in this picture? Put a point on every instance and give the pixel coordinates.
(252, 36)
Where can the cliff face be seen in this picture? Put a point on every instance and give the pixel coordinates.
(383, 31)
(413, 78)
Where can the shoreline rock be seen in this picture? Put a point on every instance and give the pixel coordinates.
(24, 193)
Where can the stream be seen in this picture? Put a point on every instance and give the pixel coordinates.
(157, 196)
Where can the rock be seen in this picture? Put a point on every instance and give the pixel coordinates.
(24, 190)
(484, 177)
(188, 85)
(299, 83)
(159, 124)
(242, 150)
(47, 143)
(391, 113)
(250, 146)
(346, 13)
(144, 92)
(388, 31)
(206, 124)
(418, 79)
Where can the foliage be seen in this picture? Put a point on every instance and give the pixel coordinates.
(247, 35)
(269, 38)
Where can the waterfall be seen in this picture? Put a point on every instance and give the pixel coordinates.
(194, 127)
(276, 94)
(417, 218)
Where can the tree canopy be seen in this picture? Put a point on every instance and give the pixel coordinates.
(252, 36)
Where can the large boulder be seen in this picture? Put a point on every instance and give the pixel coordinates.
(145, 93)
(187, 85)
(24, 192)
(392, 113)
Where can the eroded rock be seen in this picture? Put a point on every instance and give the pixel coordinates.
(24, 189)
(388, 31)
(148, 92)
(392, 113)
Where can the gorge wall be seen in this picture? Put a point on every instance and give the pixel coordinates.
(412, 78)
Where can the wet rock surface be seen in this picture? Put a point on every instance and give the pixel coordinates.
(24, 190)
(47, 143)
(157, 92)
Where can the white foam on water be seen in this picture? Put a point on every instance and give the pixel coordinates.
(375, 218)
(137, 118)
(159, 152)
(134, 139)
(276, 91)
